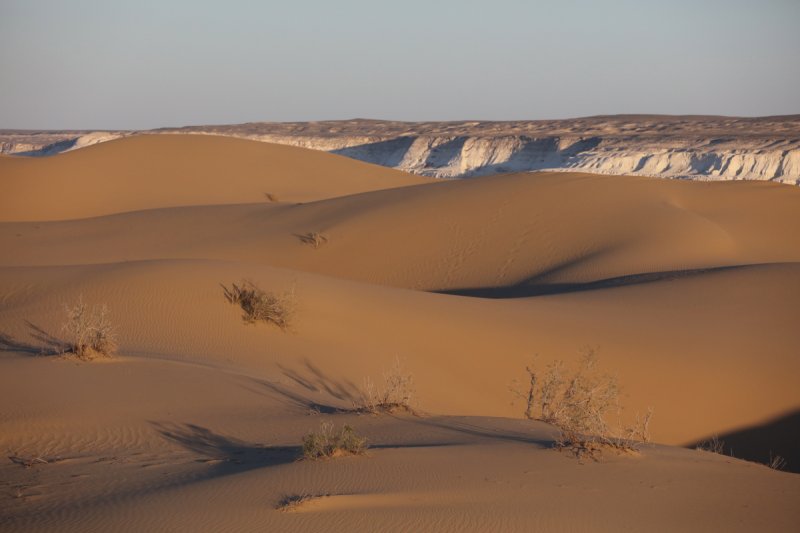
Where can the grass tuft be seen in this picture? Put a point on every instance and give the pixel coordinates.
(261, 306)
(293, 502)
(315, 239)
(89, 331)
(395, 394)
(328, 442)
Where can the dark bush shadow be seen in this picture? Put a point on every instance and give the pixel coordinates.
(307, 383)
(311, 378)
(294, 399)
(46, 344)
(233, 454)
(468, 427)
(780, 436)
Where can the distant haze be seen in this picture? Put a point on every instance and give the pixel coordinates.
(103, 64)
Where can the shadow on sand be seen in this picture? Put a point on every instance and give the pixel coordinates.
(532, 287)
(309, 380)
(777, 437)
(231, 452)
(43, 342)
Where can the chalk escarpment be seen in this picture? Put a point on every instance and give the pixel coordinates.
(693, 147)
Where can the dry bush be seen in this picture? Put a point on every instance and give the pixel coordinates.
(712, 445)
(314, 239)
(640, 430)
(776, 462)
(27, 459)
(292, 503)
(259, 305)
(395, 394)
(89, 331)
(328, 442)
(579, 402)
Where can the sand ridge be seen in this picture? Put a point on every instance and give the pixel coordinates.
(148, 171)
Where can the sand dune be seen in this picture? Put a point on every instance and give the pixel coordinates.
(434, 473)
(465, 352)
(148, 171)
(518, 229)
(688, 290)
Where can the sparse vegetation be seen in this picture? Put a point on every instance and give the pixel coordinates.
(29, 461)
(261, 306)
(717, 446)
(640, 430)
(395, 394)
(712, 445)
(578, 403)
(89, 331)
(293, 502)
(314, 239)
(328, 442)
(776, 462)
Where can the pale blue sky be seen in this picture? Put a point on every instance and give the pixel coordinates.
(151, 63)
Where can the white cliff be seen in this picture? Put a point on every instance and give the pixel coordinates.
(705, 148)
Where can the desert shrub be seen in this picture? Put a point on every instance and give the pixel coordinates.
(292, 502)
(717, 446)
(579, 403)
(776, 462)
(328, 442)
(640, 430)
(712, 445)
(314, 239)
(259, 305)
(89, 332)
(395, 394)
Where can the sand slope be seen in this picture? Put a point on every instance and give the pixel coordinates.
(147, 171)
(734, 325)
(688, 290)
(225, 459)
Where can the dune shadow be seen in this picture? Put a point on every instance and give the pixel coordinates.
(760, 443)
(530, 288)
(46, 344)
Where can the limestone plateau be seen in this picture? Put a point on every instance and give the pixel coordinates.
(684, 147)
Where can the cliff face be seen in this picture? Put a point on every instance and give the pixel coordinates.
(461, 156)
(706, 148)
(41, 143)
